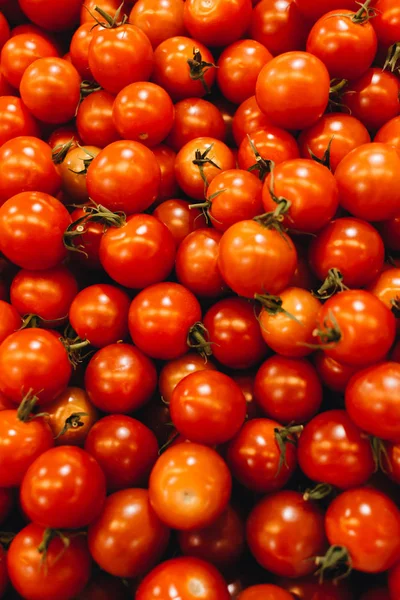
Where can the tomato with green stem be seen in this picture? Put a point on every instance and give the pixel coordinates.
(88, 13)
(180, 218)
(160, 20)
(73, 171)
(195, 117)
(70, 416)
(387, 288)
(262, 147)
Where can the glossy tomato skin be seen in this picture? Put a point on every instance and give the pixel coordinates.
(271, 143)
(180, 311)
(389, 133)
(22, 50)
(247, 119)
(254, 457)
(203, 21)
(94, 120)
(73, 400)
(352, 246)
(179, 218)
(265, 591)
(373, 539)
(72, 171)
(195, 117)
(387, 23)
(175, 370)
(46, 15)
(333, 374)
(125, 449)
(16, 119)
(277, 522)
(63, 489)
(68, 567)
(88, 9)
(136, 544)
(189, 472)
(124, 176)
(372, 400)
(255, 260)
(10, 320)
(166, 158)
(158, 20)
(138, 254)
(79, 50)
(387, 287)
(120, 379)
(287, 389)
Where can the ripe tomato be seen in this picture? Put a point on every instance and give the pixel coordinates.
(293, 90)
(61, 574)
(136, 544)
(88, 241)
(94, 120)
(166, 307)
(195, 117)
(394, 582)
(271, 143)
(285, 533)
(119, 56)
(158, 19)
(73, 172)
(64, 135)
(105, 587)
(256, 459)
(79, 50)
(254, 259)
(333, 374)
(55, 18)
(70, 416)
(10, 320)
(125, 176)
(362, 327)
(165, 158)
(184, 578)
(88, 9)
(390, 231)
(369, 182)
(175, 370)
(351, 246)
(6, 92)
(139, 253)
(21, 51)
(190, 486)
(248, 119)
(389, 133)
(120, 379)
(4, 30)
(265, 591)
(203, 20)
(179, 218)
(64, 488)
(372, 540)
(386, 22)
(287, 390)
(309, 588)
(313, 10)
(387, 287)
(15, 121)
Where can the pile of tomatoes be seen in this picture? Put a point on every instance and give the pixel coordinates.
(200, 299)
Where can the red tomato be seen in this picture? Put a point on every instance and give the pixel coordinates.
(73, 172)
(373, 539)
(309, 588)
(184, 578)
(203, 20)
(79, 50)
(120, 379)
(21, 51)
(139, 253)
(55, 18)
(195, 117)
(285, 533)
(124, 176)
(64, 135)
(94, 120)
(89, 241)
(10, 320)
(105, 587)
(190, 486)
(351, 246)
(7, 92)
(389, 133)
(288, 390)
(136, 544)
(88, 9)
(386, 22)
(394, 582)
(61, 416)
(333, 374)
(166, 158)
(179, 218)
(265, 591)
(158, 19)
(279, 25)
(390, 231)
(64, 488)
(293, 90)
(15, 121)
(387, 287)
(248, 119)
(175, 370)
(339, 132)
(4, 31)
(269, 142)
(67, 565)
(313, 10)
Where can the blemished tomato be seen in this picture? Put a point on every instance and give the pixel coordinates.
(190, 486)
(70, 416)
(287, 390)
(208, 407)
(279, 25)
(94, 120)
(165, 307)
(372, 540)
(166, 158)
(309, 588)
(353, 247)
(255, 457)
(179, 218)
(140, 539)
(158, 19)
(271, 143)
(175, 370)
(386, 22)
(389, 133)
(234, 332)
(55, 18)
(248, 119)
(79, 50)
(293, 90)
(138, 254)
(120, 379)
(16, 120)
(254, 259)
(21, 51)
(73, 172)
(184, 578)
(339, 132)
(265, 591)
(124, 176)
(195, 117)
(120, 56)
(313, 10)
(369, 182)
(333, 374)
(222, 543)
(10, 320)
(387, 287)
(203, 20)
(184, 68)
(362, 327)
(67, 565)
(285, 533)
(394, 582)
(64, 488)
(373, 98)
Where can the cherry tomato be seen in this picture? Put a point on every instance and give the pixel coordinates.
(203, 20)
(73, 172)
(387, 287)
(175, 370)
(165, 158)
(394, 582)
(64, 488)
(88, 241)
(7, 92)
(288, 390)
(389, 133)
(390, 231)
(71, 416)
(309, 588)
(158, 19)
(372, 540)
(248, 119)
(67, 565)
(79, 50)
(4, 31)
(285, 533)
(15, 121)
(10, 320)
(88, 9)
(179, 218)
(386, 22)
(246, 383)
(313, 10)
(333, 374)
(21, 51)
(195, 117)
(120, 379)
(104, 587)
(265, 591)
(66, 134)
(189, 487)
(279, 25)
(55, 18)
(94, 120)
(269, 142)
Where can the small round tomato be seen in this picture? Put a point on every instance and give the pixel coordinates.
(6, 503)
(387, 287)
(16, 120)
(248, 119)
(389, 133)
(285, 533)
(184, 578)
(158, 19)
(353, 247)
(265, 591)
(166, 307)
(64, 488)
(66, 134)
(390, 231)
(21, 51)
(271, 143)
(124, 176)
(234, 332)
(4, 31)
(88, 241)
(71, 416)
(190, 486)
(166, 158)
(256, 459)
(293, 90)
(246, 383)
(73, 172)
(203, 20)
(386, 22)
(62, 573)
(334, 375)
(105, 587)
(309, 588)
(10, 320)
(313, 10)
(94, 120)
(138, 254)
(394, 581)
(195, 117)
(373, 540)
(175, 370)
(179, 218)
(88, 13)
(288, 389)
(120, 379)
(55, 18)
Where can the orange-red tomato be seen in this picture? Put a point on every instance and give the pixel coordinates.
(158, 19)
(71, 416)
